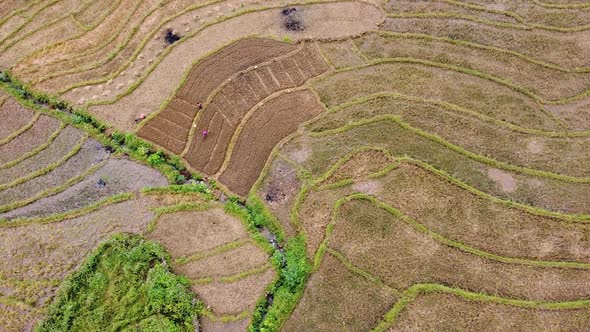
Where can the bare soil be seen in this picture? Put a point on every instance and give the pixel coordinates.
(436, 312)
(336, 298)
(89, 155)
(243, 258)
(276, 119)
(279, 190)
(392, 250)
(233, 298)
(29, 139)
(184, 233)
(235, 99)
(13, 116)
(119, 176)
(504, 180)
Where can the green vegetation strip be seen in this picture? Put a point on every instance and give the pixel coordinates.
(437, 139)
(118, 198)
(427, 288)
(35, 150)
(19, 11)
(123, 144)
(125, 285)
(46, 169)
(459, 109)
(472, 18)
(464, 43)
(224, 318)
(21, 130)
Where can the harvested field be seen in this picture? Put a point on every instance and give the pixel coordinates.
(91, 154)
(273, 121)
(13, 116)
(337, 298)
(423, 81)
(117, 176)
(416, 258)
(426, 311)
(65, 141)
(567, 50)
(40, 254)
(334, 165)
(182, 233)
(28, 140)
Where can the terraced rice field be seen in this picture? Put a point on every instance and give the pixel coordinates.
(348, 165)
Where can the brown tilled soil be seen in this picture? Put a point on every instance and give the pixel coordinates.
(184, 233)
(321, 18)
(445, 312)
(401, 256)
(89, 155)
(235, 297)
(13, 116)
(233, 102)
(243, 258)
(547, 83)
(568, 50)
(422, 81)
(63, 143)
(118, 175)
(29, 139)
(336, 299)
(171, 126)
(37, 252)
(279, 190)
(276, 119)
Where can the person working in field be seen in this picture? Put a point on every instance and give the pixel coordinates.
(199, 106)
(205, 133)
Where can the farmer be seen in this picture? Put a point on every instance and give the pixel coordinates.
(199, 106)
(205, 133)
(141, 117)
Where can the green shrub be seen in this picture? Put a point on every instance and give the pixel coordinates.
(156, 159)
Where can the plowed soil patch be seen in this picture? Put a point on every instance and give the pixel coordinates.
(13, 116)
(170, 127)
(274, 120)
(223, 115)
(183, 233)
(29, 139)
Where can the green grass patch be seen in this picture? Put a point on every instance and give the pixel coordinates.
(125, 285)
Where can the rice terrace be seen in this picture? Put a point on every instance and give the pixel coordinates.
(300, 165)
